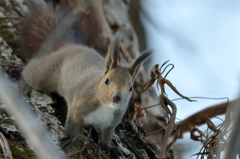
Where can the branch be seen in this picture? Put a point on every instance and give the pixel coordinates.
(199, 117)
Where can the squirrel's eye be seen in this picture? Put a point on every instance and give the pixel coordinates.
(130, 89)
(107, 81)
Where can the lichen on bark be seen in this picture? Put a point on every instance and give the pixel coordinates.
(128, 134)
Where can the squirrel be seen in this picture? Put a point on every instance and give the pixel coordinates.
(97, 90)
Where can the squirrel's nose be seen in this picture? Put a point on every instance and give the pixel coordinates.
(116, 98)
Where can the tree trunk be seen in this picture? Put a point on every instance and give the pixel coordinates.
(101, 20)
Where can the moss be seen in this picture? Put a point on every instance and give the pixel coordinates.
(6, 121)
(9, 33)
(6, 7)
(18, 146)
(20, 150)
(135, 142)
(92, 148)
(9, 36)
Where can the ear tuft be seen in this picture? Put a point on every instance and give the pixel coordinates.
(138, 63)
(112, 55)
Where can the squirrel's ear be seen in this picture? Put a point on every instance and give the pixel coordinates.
(138, 63)
(112, 55)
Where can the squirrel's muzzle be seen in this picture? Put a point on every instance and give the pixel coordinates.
(116, 98)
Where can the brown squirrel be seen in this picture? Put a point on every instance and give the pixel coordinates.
(97, 90)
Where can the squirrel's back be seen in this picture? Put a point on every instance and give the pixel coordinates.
(49, 27)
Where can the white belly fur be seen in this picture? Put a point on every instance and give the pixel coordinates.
(102, 117)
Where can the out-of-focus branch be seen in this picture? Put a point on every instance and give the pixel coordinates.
(199, 117)
(134, 13)
(26, 121)
(5, 147)
(233, 145)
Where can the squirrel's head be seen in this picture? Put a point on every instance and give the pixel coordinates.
(116, 85)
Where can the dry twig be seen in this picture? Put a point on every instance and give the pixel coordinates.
(211, 141)
(156, 75)
(84, 144)
(199, 117)
(169, 129)
(5, 147)
(6, 18)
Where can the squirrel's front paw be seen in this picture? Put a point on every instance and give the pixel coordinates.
(115, 152)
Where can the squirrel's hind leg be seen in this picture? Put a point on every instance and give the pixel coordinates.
(71, 131)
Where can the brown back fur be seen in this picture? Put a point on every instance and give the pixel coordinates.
(41, 22)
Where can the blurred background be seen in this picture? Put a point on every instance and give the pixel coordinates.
(202, 40)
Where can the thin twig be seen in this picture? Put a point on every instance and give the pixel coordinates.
(152, 78)
(233, 144)
(5, 147)
(6, 18)
(162, 66)
(169, 70)
(154, 132)
(175, 134)
(7, 65)
(84, 145)
(170, 125)
(199, 117)
(99, 150)
(150, 106)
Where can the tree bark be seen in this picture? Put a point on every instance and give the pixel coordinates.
(101, 20)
